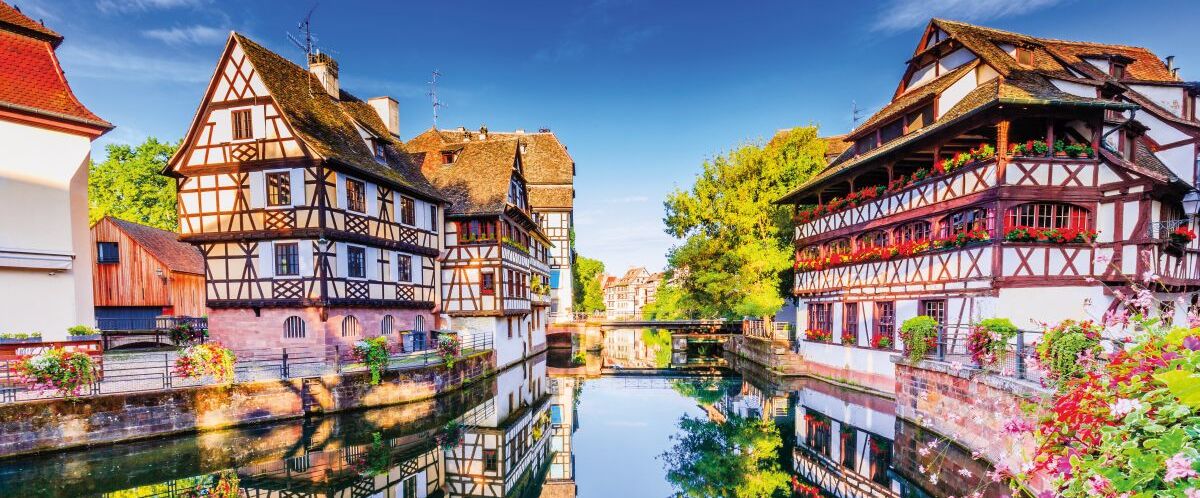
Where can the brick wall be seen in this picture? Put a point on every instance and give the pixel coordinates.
(240, 329)
(32, 427)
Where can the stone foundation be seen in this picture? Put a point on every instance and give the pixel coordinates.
(32, 427)
(240, 329)
(779, 360)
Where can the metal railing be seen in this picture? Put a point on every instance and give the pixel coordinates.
(159, 323)
(771, 331)
(151, 371)
(1161, 230)
(1016, 362)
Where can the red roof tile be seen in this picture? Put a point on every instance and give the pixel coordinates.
(12, 19)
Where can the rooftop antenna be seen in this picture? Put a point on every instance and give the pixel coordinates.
(855, 114)
(433, 98)
(309, 45)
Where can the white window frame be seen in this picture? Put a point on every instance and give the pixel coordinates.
(299, 258)
(266, 192)
(366, 257)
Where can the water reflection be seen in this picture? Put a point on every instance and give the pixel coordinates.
(645, 418)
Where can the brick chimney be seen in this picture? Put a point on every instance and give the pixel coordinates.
(389, 111)
(326, 71)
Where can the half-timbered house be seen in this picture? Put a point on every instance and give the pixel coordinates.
(141, 272)
(502, 452)
(315, 226)
(495, 270)
(549, 174)
(46, 137)
(1010, 176)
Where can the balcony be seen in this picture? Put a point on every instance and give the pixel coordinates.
(963, 268)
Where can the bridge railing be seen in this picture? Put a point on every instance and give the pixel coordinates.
(768, 330)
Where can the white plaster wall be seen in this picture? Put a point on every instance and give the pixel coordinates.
(921, 77)
(873, 361)
(1074, 88)
(841, 411)
(955, 59)
(955, 93)
(1180, 160)
(43, 177)
(1167, 97)
(1028, 307)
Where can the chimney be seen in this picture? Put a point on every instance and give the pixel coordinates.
(1170, 62)
(326, 71)
(389, 111)
(483, 132)
(520, 131)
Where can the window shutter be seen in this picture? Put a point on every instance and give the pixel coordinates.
(298, 196)
(416, 269)
(340, 186)
(258, 190)
(372, 202)
(372, 255)
(421, 215)
(266, 260)
(306, 258)
(340, 254)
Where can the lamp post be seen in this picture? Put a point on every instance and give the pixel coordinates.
(1191, 209)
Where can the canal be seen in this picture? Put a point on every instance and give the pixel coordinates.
(635, 419)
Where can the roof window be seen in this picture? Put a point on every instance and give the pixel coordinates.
(1024, 56)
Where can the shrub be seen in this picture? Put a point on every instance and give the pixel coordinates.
(210, 359)
(1066, 348)
(374, 353)
(881, 341)
(920, 335)
(989, 339)
(184, 333)
(58, 369)
(81, 330)
(450, 349)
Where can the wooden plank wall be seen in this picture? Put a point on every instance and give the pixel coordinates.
(134, 282)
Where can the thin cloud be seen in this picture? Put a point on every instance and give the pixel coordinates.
(91, 61)
(195, 35)
(123, 6)
(900, 15)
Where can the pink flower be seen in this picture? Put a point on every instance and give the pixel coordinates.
(1017, 425)
(1179, 467)
(1123, 407)
(1117, 317)
(1192, 493)
(1149, 276)
(956, 365)
(1099, 484)
(964, 473)
(1103, 259)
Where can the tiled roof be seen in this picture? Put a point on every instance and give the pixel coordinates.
(31, 80)
(545, 159)
(913, 98)
(477, 181)
(164, 246)
(546, 197)
(328, 125)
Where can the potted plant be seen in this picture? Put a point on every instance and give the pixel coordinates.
(67, 372)
(20, 337)
(374, 353)
(1182, 236)
(450, 349)
(881, 341)
(184, 333)
(988, 341)
(83, 333)
(818, 335)
(849, 339)
(207, 360)
(920, 335)
(1066, 347)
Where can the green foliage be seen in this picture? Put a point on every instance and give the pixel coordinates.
(989, 340)
(920, 335)
(1060, 349)
(658, 340)
(81, 330)
(67, 372)
(706, 391)
(374, 352)
(737, 241)
(670, 303)
(736, 459)
(585, 281)
(129, 185)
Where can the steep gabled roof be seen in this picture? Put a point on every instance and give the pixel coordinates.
(164, 246)
(548, 197)
(545, 158)
(31, 80)
(477, 181)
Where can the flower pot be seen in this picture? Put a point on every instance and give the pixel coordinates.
(30, 340)
(85, 337)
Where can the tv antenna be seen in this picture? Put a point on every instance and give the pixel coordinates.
(309, 45)
(433, 98)
(855, 113)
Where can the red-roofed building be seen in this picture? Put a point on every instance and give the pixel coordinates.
(141, 272)
(45, 137)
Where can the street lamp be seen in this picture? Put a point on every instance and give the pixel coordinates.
(1191, 204)
(1191, 209)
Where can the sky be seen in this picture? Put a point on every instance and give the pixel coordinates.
(641, 92)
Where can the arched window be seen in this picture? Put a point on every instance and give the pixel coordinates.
(420, 324)
(1047, 215)
(293, 328)
(964, 221)
(874, 238)
(350, 327)
(838, 246)
(810, 252)
(912, 232)
(387, 325)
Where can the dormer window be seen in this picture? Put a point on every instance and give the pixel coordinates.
(449, 156)
(1116, 70)
(377, 144)
(1024, 56)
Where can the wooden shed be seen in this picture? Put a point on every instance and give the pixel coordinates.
(142, 272)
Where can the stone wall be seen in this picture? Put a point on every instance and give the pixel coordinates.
(32, 427)
(240, 329)
(780, 360)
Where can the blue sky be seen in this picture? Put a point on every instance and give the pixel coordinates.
(641, 92)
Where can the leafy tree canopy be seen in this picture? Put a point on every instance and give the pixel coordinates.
(735, 459)
(588, 294)
(736, 241)
(129, 185)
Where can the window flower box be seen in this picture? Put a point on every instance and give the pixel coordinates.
(881, 341)
(1052, 235)
(817, 335)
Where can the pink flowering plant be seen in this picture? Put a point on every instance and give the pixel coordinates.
(57, 369)
(988, 341)
(374, 353)
(206, 360)
(450, 349)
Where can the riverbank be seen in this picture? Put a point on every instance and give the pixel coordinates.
(58, 424)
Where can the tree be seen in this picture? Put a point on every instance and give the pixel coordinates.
(735, 459)
(588, 294)
(129, 185)
(736, 240)
(670, 303)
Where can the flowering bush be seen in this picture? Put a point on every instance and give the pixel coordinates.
(881, 341)
(1056, 235)
(1065, 349)
(984, 151)
(919, 334)
(450, 435)
(1074, 149)
(211, 359)
(1029, 148)
(374, 353)
(184, 333)
(60, 370)
(450, 349)
(1183, 235)
(900, 249)
(224, 484)
(818, 335)
(988, 340)
(849, 339)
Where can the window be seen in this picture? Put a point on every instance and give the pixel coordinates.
(487, 283)
(810, 252)
(891, 131)
(489, 456)
(408, 211)
(849, 437)
(242, 127)
(293, 328)
(356, 262)
(279, 188)
(433, 217)
(356, 196)
(106, 252)
(850, 321)
(877, 238)
(287, 259)
(934, 308)
(839, 246)
(1047, 215)
(913, 232)
(919, 118)
(387, 325)
(377, 144)
(865, 144)
(1024, 56)
(403, 268)
(555, 276)
(965, 221)
(419, 324)
(820, 316)
(350, 327)
(449, 156)
(885, 319)
(409, 487)
(1116, 70)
